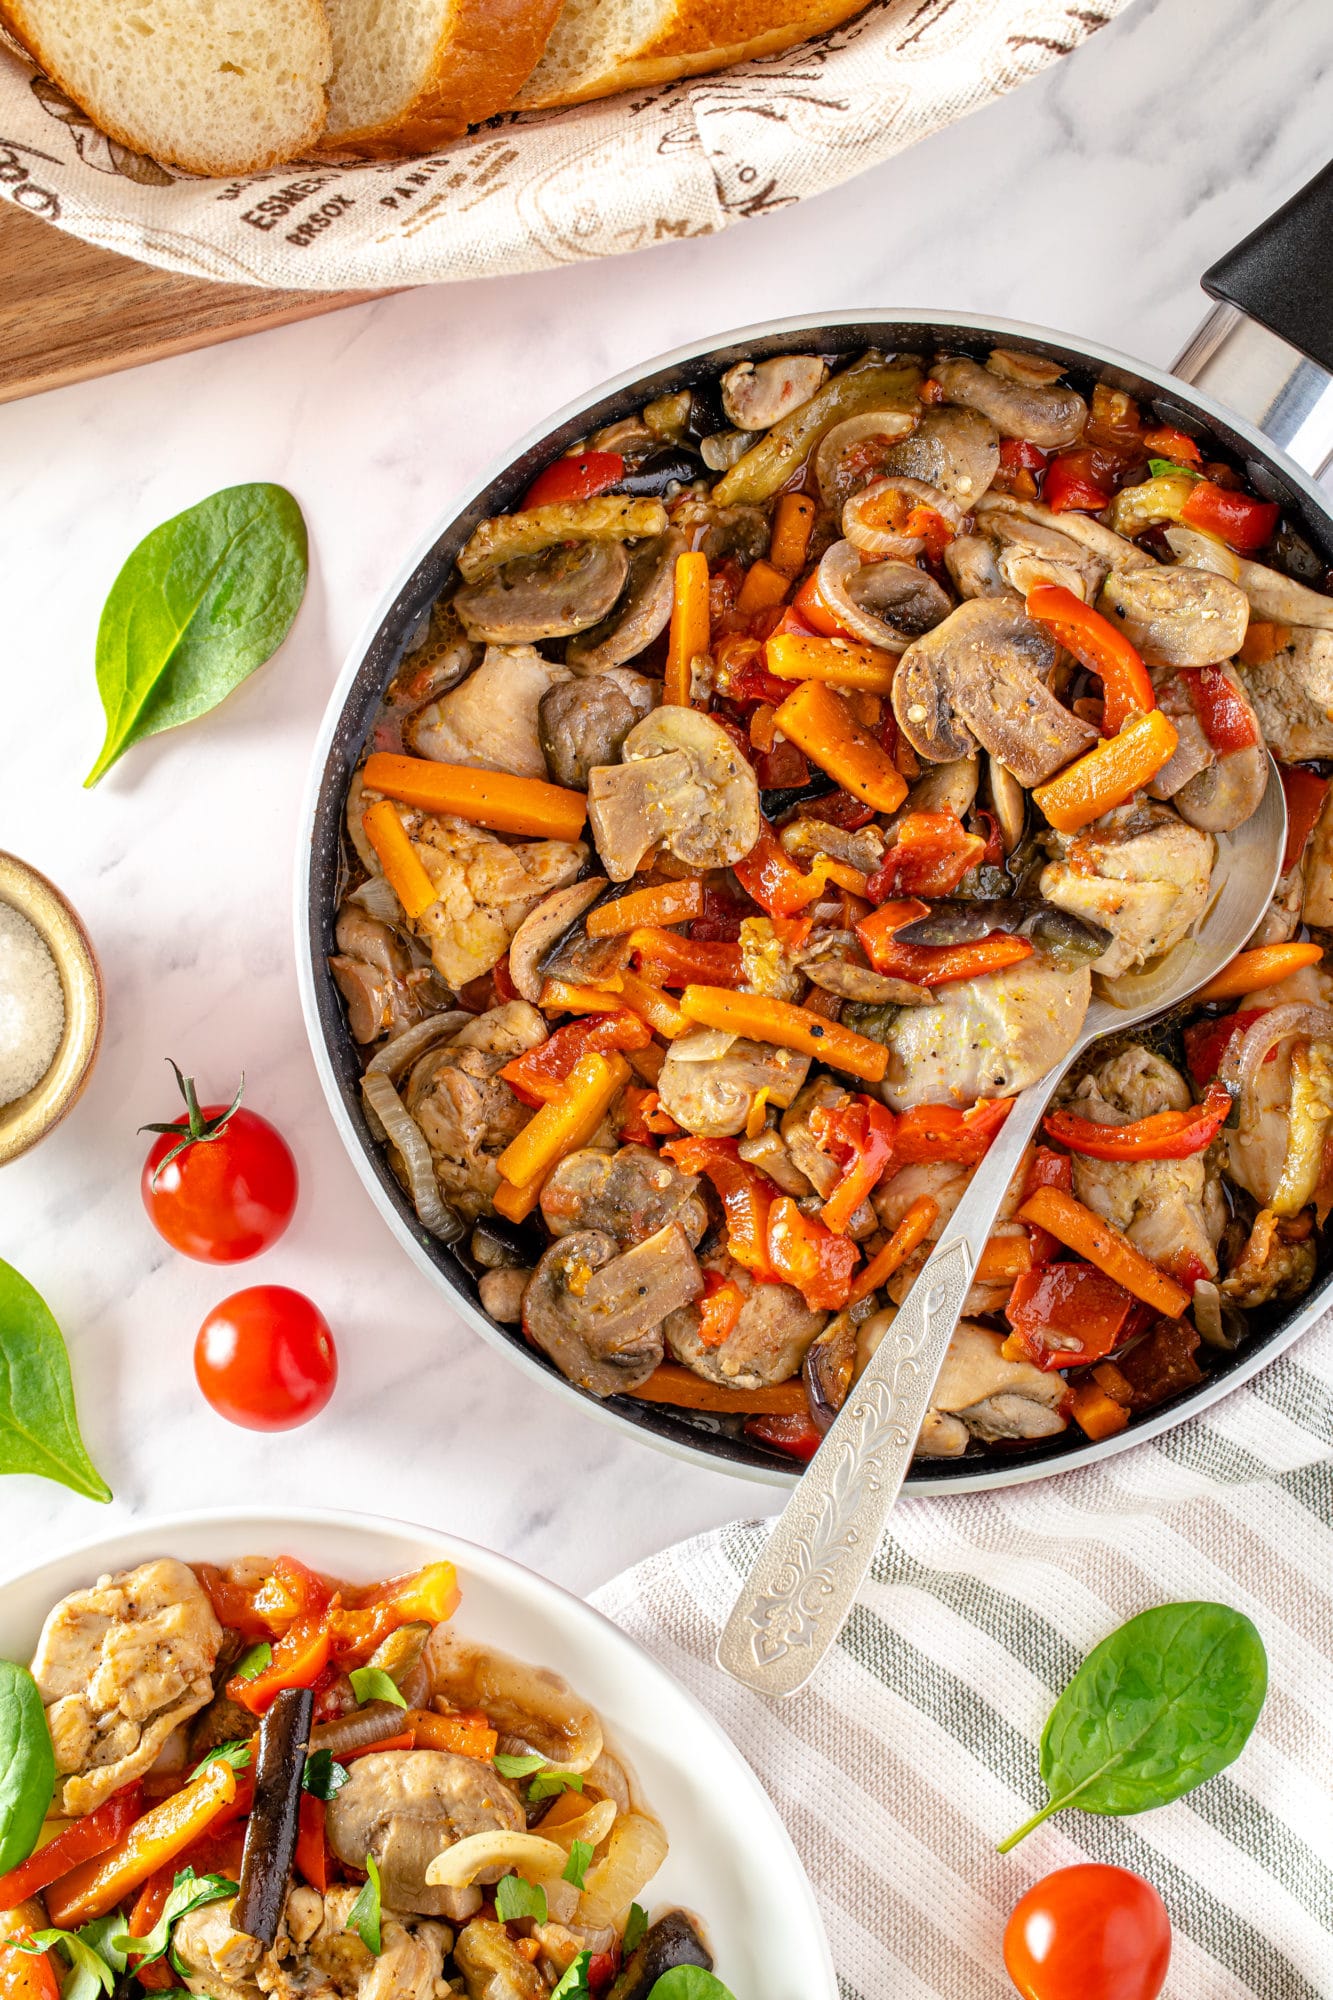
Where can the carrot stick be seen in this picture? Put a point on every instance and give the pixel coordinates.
(688, 1391)
(820, 721)
(1105, 1246)
(517, 1203)
(1108, 775)
(566, 1125)
(793, 518)
(691, 631)
(912, 1230)
(458, 1733)
(1003, 1257)
(665, 903)
(786, 1027)
(845, 662)
(562, 996)
(488, 798)
(654, 1006)
(763, 588)
(1096, 1415)
(1266, 965)
(398, 858)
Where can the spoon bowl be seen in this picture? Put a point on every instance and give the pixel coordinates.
(801, 1590)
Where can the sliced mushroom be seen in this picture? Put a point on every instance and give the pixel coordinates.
(1272, 594)
(957, 451)
(942, 788)
(1020, 401)
(856, 451)
(565, 589)
(629, 1195)
(981, 1394)
(1212, 792)
(834, 960)
(584, 723)
(405, 1807)
(598, 1311)
(974, 567)
(829, 1368)
(1176, 616)
(1028, 553)
(385, 990)
(1115, 551)
(542, 929)
(683, 783)
(1008, 802)
(887, 604)
(869, 517)
(641, 614)
(758, 394)
(490, 720)
(863, 849)
(709, 1081)
(977, 678)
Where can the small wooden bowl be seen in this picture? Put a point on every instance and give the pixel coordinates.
(30, 1117)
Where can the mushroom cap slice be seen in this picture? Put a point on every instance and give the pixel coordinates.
(957, 451)
(641, 613)
(978, 678)
(887, 604)
(542, 929)
(564, 589)
(1176, 616)
(405, 1807)
(758, 394)
(681, 782)
(598, 1315)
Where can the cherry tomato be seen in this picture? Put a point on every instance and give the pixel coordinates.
(220, 1182)
(265, 1359)
(1089, 1933)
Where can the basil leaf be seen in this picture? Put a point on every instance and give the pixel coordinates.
(549, 1784)
(580, 1854)
(690, 1982)
(636, 1923)
(574, 1979)
(516, 1898)
(27, 1765)
(517, 1767)
(373, 1684)
(1166, 468)
(188, 1892)
(1163, 1704)
(239, 1754)
(364, 1915)
(253, 1662)
(322, 1778)
(39, 1431)
(201, 602)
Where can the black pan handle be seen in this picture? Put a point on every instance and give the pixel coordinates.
(1282, 274)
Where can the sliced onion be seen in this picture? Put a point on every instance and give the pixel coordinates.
(397, 1056)
(378, 900)
(409, 1142)
(896, 604)
(704, 1045)
(1220, 1323)
(858, 524)
(459, 1866)
(591, 1826)
(634, 1853)
(356, 833)
(1200, 551)
(607, 1776)
(890, 425)
(1240, 1067)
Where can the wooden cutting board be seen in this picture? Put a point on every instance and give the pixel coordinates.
(69, 311)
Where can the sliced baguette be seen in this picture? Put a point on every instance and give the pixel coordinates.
(601, 46)
(410, 74)
(222, 89)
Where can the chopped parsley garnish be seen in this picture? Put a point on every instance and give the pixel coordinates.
(239, 1754)
(517, 1767)
(323, 1778)
(580, 1854)
(364, 1915)
(188, 1892)
(636, 1923)
(549, 1784)
(516, 1898)
(373, 1684)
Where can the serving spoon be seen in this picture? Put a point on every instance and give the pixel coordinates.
(801, 1590)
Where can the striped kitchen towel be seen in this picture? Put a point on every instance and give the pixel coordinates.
(915, 1748)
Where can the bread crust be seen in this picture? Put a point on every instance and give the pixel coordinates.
(704, 35)
(491, 49)
(220, 164)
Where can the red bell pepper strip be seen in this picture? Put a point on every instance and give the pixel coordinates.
(798, 1435)
(943, 1132)
(88, 1836)
(1097, 645)
(1167, 442)
(1072, 482)
(771, 877)
(539, 1075)
(839, 809)
(299, 1658)
(1017, 455)
(859, 1136)
(1225, 717)
(929, 857)
(25, 1975)
(803, 1253)
(667, 959)
(149, 1904)
(1166, 1135)
(360, 1619)
(1242, 522)
(262, 1610)
(1047, 1169)
(312, 1849)
(722, 1304)
(1305, 792)
(1207, 1042)
(578, 478)
(937, 965)
(745, 1193)
(1066, 1316)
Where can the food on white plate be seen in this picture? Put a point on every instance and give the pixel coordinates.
(254, 1779)
(864, 716)
(32, 1005)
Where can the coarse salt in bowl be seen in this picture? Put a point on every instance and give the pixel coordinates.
(32, 1005)
(50, 1007)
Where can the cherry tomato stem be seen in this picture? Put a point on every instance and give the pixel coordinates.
(220, 1183)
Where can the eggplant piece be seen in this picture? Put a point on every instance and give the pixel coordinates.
(270, 1833)
(1068, 940)
(501, 1245)
(670, 463)
(828, 1368)
(773, 804)
(671, 1941)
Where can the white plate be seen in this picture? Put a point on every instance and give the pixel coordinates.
(731, 1861)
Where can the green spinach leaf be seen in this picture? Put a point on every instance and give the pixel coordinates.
(373, 1684)
(1164, 1703)
(253, 1661)
(27, 1765)
(39, 1431)
(201, 602)
(690, 1982)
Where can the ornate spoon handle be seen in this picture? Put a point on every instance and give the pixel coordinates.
(798, 1596)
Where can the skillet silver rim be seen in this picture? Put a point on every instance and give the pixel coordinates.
(1086, 354)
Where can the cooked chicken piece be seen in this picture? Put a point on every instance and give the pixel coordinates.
(316, 1956)
(407, 1806)
(1278, 1262)
(1174, 1211)
(980, 1394)
(987, 1037)
(767, 1343)
(709, 1081)
(946, 1183)
(494, 1968)
(1028, 553)
(1257, 1151)
(1315, 875)
(629, 1195)
(1293, 696)
(119, 1667)
(1141, 873)
(490, 720)
(583, 723)
(820, 1168)
(598, 1311)
(485, 888)
(757, 395)
(768, 1151)
(384, 990)
(1113, 552)
(468, 1116)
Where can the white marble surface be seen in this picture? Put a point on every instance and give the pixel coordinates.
(1092, 200)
